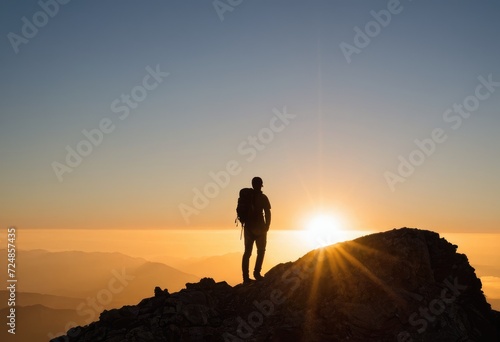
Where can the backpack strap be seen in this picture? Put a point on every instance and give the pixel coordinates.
(236, 222)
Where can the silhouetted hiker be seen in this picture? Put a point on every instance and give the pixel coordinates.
(254, 213)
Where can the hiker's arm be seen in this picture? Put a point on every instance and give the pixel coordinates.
(267, 213)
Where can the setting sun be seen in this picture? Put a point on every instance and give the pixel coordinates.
(325, 229)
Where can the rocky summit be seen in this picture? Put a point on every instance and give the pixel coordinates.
(401, 285)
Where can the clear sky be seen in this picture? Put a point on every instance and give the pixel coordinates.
(322, 99)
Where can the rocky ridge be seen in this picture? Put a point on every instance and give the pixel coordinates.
(401, 285)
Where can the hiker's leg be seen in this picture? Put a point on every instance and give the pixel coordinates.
(261, 242)
(249, 240)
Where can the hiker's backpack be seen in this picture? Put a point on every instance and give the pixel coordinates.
(246, 207)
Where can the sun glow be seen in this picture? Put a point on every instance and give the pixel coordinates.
(325, 229)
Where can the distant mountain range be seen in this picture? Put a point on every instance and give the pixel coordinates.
(487, 270)
(116, 279)
(49, 301)
(225, 267)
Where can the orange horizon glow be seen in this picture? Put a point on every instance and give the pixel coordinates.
(172, 247)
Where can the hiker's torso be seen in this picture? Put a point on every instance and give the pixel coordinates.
(261, 203)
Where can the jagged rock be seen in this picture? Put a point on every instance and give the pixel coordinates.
(401, 285)
(161, 293)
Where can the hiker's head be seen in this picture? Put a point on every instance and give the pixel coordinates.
(257, 183)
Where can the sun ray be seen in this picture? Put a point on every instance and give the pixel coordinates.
(370, 275)
(337, 265)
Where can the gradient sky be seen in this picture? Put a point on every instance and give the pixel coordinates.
(226, 80)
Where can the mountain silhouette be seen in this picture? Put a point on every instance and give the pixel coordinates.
(401, 285)
(50, 301)
(86, 274)
(211, 267)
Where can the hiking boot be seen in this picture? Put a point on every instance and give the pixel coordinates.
(257, 276)
(247, 281)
